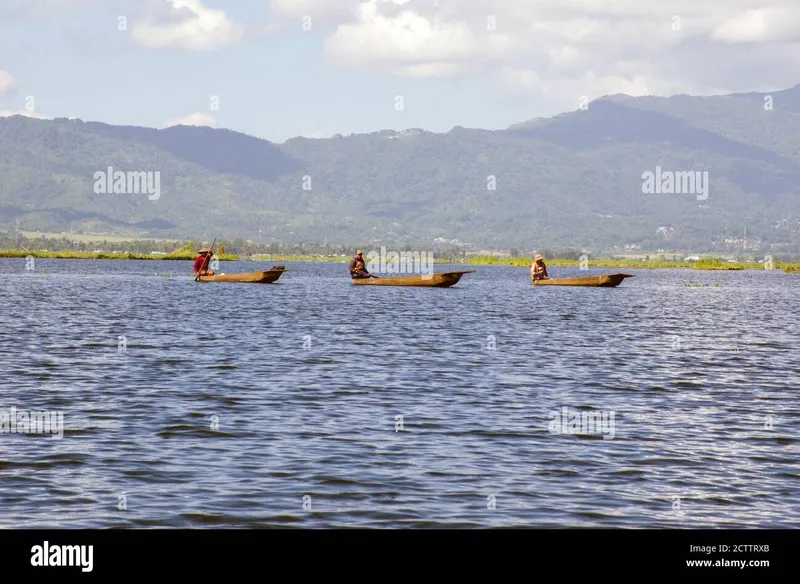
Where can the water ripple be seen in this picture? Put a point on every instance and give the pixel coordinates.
(313, 403)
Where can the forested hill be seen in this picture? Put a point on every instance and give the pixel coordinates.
(574, 180)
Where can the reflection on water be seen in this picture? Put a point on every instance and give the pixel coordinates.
(315, 403)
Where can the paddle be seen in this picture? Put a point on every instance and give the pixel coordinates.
(204, 265)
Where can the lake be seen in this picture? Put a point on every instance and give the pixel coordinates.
(668, 402)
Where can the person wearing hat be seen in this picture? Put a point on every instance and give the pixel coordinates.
(538, 269)
(358, 269)
(201, 262)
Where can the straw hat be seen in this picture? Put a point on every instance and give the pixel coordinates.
(359, 252)
(204, 250)
(538, 257)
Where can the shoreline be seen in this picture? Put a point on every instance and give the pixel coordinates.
(88, 255)
(703, 265)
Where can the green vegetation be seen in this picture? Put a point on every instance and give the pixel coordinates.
(91, 239)
(574, 180)
(67, 249)
(300, 258)
(709, 264)
(86, 255)
(223, 247)
(238, 249)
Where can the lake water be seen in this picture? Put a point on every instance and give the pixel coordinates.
(315, 403)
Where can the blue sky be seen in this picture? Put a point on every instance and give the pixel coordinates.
(474, 63)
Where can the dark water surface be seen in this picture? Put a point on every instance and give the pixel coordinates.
(307, 380)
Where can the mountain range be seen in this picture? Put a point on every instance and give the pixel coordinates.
(576, 180)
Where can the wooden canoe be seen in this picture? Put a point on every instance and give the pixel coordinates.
(608, 281)
(444, 280)
(257, 277)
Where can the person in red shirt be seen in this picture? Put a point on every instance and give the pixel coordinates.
(201, 263)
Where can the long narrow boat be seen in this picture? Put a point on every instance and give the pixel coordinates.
(608, 281)
(257, 277)
(444, 280)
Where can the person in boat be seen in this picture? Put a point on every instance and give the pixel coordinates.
(201, 263)
(358, 269)
(539, 269)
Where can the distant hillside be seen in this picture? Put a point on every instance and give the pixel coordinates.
(574, 180)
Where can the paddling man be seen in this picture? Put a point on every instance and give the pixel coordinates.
(358, 268)
(538, 269)
(201, 263)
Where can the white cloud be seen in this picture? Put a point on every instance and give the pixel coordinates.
(319, 11)
(187, 25)
(429, 70)
(26, 113)
(407, 42)
(565, 94)
(313, 135)
(767, 25)
(193, 119)
(7, 82)
(558, 50)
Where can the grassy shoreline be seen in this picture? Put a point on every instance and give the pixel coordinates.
(526, 263)
(88, 255)
(706, 264)
(641, 264)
